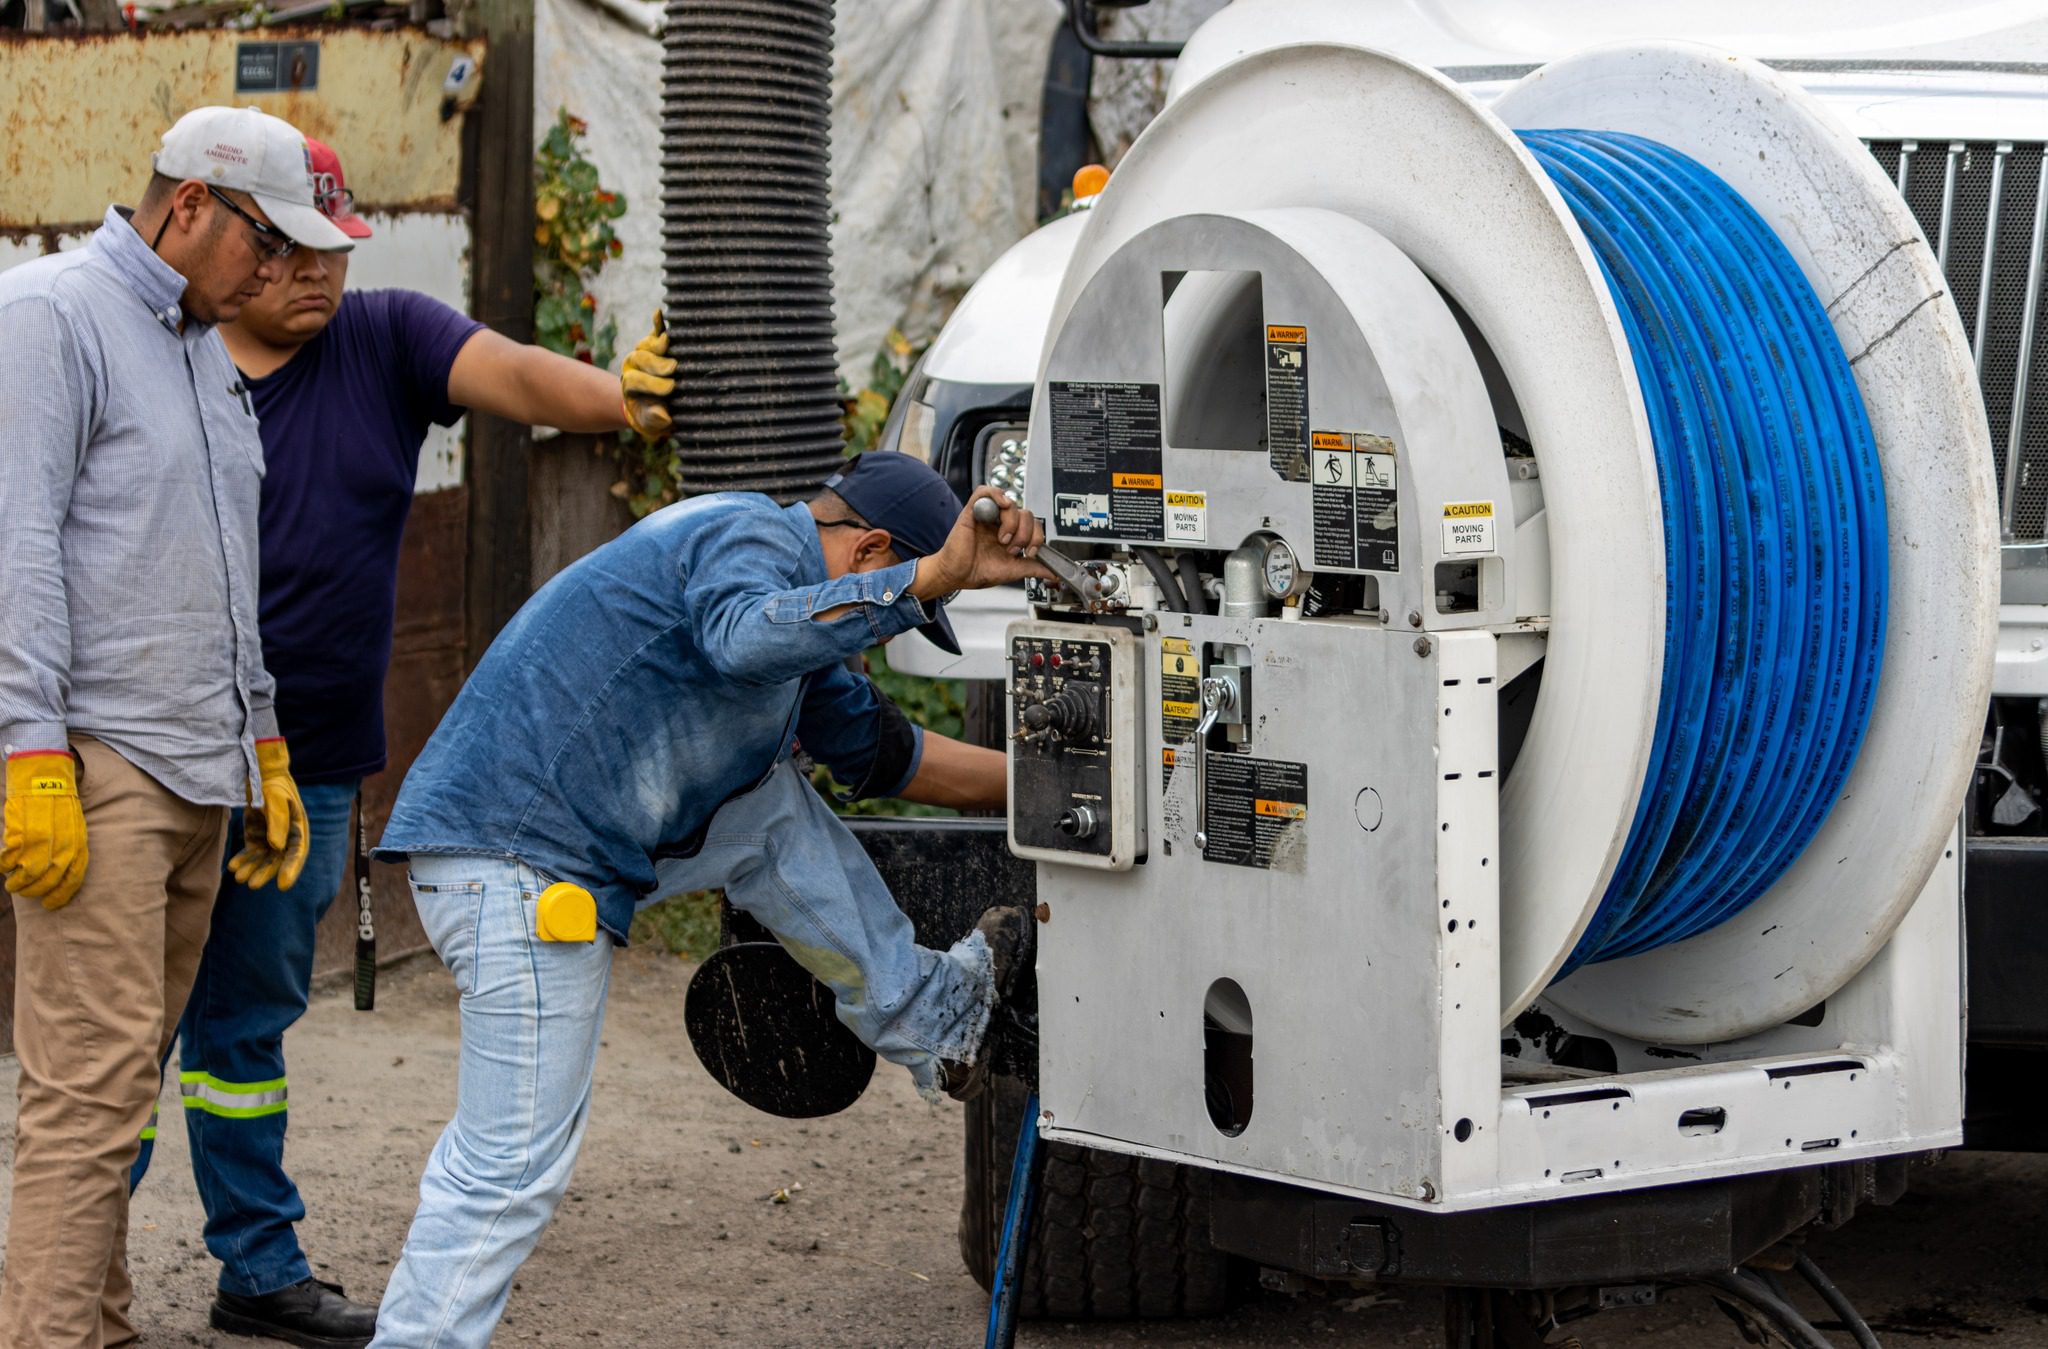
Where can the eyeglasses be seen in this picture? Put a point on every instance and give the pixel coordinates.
(271, 242)
(334, 201)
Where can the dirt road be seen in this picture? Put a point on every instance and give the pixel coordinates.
(670, 1237)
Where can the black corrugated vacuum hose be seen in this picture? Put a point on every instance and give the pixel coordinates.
(746, 166)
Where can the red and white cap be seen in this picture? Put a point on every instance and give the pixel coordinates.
(249, 150)
(330, 191)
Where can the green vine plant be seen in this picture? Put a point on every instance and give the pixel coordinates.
(573, 240)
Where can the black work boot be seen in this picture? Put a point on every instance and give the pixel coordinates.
(312, 1312)
(1011, 932)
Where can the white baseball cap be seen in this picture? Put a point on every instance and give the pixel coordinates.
(249, 150)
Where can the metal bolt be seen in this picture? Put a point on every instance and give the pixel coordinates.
(1422, 646)
(1414, 619)
(1385, 618)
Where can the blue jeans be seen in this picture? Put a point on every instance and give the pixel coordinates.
(252, 985)
(532, 1011)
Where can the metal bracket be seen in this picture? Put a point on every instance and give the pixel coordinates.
(1219, 702)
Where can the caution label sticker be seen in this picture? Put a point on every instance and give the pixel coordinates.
(1187, 517)
(1468, 527)
(1180, 705)
(1106, 461)
(1257, 812)
(1287, 400)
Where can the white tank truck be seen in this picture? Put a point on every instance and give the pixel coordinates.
(1500, 777)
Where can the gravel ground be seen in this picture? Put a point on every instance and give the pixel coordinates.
(669, 1235)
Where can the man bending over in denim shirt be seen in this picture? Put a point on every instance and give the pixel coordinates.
(641, 709)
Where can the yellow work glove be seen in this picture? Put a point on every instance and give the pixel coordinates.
(644, 380)
(279, 852)
(42, 842)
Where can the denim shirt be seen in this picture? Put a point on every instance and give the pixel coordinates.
(129, 478)
(644, 686)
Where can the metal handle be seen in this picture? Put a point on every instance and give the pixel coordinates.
(1091, 587)
(1218, 697)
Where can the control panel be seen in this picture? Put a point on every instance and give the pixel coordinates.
(1074, 744)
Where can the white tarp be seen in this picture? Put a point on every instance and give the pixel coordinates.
(934, 148)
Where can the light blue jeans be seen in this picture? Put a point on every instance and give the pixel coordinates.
(532, 1011)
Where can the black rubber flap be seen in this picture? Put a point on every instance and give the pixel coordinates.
(771, 1035)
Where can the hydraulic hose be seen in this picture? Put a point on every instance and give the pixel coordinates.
(1191, 584)
(746, 104)
(1162, 576)
(1774, 529)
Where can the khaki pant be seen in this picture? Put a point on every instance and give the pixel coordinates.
(99, 986)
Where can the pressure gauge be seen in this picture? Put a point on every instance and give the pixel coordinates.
(1282, 575)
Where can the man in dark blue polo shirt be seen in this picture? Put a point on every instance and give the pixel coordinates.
(346, 386)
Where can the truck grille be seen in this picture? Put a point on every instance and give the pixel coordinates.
(1984, 205)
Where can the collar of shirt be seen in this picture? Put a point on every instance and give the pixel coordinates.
(805, 525)
(155, 282)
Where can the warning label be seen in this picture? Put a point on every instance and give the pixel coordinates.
(1287, 401)
(1257, 812)
(1379, 503)
(1356, 501)
(1179, 697)
(1187, 517)
(1468, 527)
(1106, 460)
(1335, 510)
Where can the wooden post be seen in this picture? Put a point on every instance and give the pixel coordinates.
(501, 290)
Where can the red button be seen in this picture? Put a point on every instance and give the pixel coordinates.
(1055, 660)
(1037, 658)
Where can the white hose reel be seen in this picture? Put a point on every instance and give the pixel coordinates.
(1412, 156)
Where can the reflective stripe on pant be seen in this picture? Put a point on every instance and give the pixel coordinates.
(253, 984)
(231, 1100)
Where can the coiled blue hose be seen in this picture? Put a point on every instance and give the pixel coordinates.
(1774, 537)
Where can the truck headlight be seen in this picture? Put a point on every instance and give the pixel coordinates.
(1003, 451)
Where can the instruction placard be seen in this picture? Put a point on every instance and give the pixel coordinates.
(1187, 517)
(1180, 695)
(1468, 527)
(1106, 469)
(1379, 502)
(1257, 812)
(1287, 400)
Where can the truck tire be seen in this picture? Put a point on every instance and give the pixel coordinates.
(1113, 1237)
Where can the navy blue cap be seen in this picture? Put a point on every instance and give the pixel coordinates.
(901, 493)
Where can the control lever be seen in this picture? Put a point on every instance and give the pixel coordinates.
(1091, 587)
(1218, 697)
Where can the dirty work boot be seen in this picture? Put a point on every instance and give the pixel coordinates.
(1012, 936)
(312, 1313)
